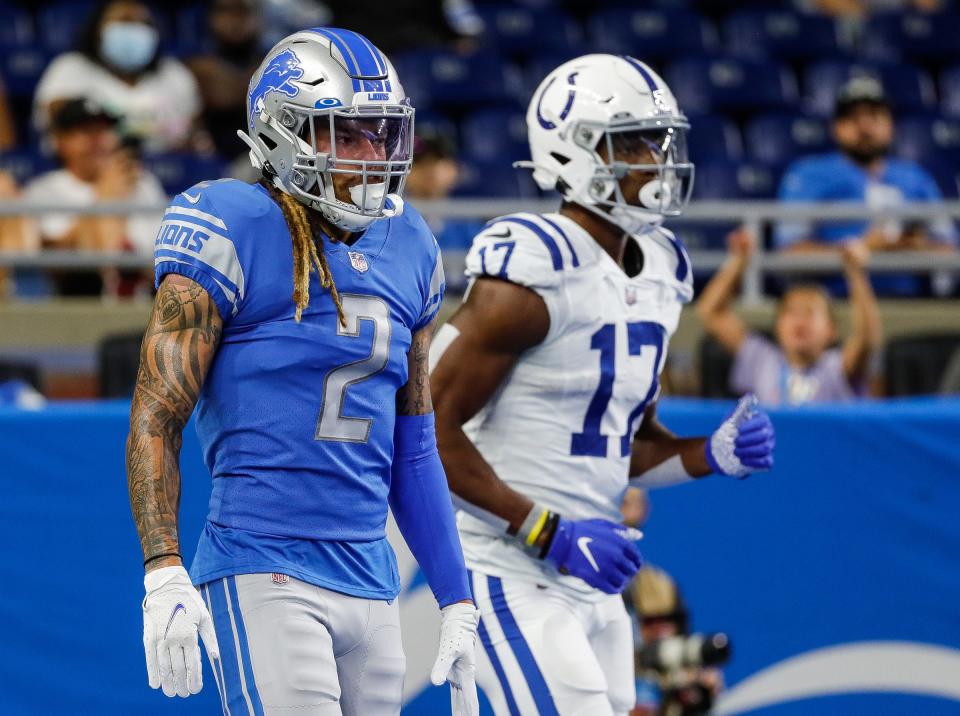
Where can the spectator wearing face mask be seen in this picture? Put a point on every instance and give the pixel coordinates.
(862, 171)
(800, 365)
(119, 65)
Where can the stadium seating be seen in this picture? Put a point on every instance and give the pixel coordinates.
(919, 37)
(713, 137)
(728, 179)
(914, 365)
(21, 69)
(651, 34)
(494, 134)
(60, 23)
(180, 170)
(443, 78)
(783, 34)
(909, 88)
(17, 29)
(778, 139)
(521, 31)
(731, 85)
(950, 91)
(494, 179)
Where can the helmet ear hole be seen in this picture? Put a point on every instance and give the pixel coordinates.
(601, 188)
(267, 141)
(561, 159)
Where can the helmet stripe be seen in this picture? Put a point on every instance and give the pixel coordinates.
(363, 60)
(651, 83)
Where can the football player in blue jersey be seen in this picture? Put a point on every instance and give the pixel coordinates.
(314, 412)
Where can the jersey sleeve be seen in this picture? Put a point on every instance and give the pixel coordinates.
(197, 242)
(435, 292)
(519, 250)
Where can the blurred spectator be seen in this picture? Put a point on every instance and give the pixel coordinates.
(863, 8)
(119, 64)
(224, 72)
(861, 171)
(800, 366)
(96, 167)
(434, 175)
(8, 134)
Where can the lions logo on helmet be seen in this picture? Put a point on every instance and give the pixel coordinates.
(597, 118)
(277, 77)
(315, 91)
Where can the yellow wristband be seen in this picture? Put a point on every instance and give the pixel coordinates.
(537, 528)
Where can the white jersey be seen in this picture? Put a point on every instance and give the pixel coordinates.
(559, 429)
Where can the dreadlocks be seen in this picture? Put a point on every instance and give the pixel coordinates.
(307, 254)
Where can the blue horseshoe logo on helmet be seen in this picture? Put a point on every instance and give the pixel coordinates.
(546, 123)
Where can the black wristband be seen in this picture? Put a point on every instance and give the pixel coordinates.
(549, 529)
(155, 557)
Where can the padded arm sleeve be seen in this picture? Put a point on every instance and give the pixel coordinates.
(420, 500)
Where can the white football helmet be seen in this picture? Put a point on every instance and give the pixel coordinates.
(326, 101)
(588, 122)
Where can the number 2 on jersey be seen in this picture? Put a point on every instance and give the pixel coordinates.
(590, 441)
(332, 423)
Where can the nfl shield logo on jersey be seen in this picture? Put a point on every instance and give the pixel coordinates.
(279, 578)
(631, 295)
(358, 261)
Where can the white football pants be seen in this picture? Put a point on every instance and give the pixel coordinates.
(546, 653)
(291, 648)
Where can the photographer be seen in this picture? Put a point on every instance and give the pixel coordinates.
(676, 671)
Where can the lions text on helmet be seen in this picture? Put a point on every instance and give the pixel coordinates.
(330, 124)
(606, 132)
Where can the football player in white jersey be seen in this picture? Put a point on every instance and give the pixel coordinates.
(545, 385)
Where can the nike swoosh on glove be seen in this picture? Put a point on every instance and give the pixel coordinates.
(600, 552)
(456, 662)
(173, 615)
(744, 442)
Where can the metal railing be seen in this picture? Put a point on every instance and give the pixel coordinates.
(755, 216)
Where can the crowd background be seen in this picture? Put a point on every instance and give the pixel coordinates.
(810, 100)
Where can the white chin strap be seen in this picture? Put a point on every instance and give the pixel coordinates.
(351, 221)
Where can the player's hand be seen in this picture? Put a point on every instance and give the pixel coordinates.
(455, 662)
(173, 614)
(600, 552)
(744, 442)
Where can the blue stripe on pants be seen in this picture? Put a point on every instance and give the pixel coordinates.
(234, 699)
(498, 668)
(244, 648)
(521, 650)
(215, 666)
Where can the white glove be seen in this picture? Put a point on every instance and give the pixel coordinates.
(455, 658)
(173, 613)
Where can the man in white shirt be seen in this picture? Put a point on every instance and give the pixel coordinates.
(96, 167)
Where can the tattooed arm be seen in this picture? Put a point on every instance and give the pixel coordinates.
(414, 397)
(178, 348)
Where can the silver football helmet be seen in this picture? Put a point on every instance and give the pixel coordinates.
(326, 102)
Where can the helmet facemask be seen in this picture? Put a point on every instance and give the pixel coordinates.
(642, 172)
(374, 143)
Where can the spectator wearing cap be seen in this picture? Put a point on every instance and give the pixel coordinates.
(119, 64)
(223, 72)
(862, 171)
(96, 167)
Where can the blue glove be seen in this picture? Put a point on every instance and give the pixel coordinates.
(744, 442)
(599, 552)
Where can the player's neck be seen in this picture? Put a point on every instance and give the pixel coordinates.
(609, 236)
(319, 224)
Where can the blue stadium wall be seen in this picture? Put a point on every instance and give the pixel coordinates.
(837, 575)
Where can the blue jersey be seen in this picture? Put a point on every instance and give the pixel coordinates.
(834, 177)
(296, 420)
